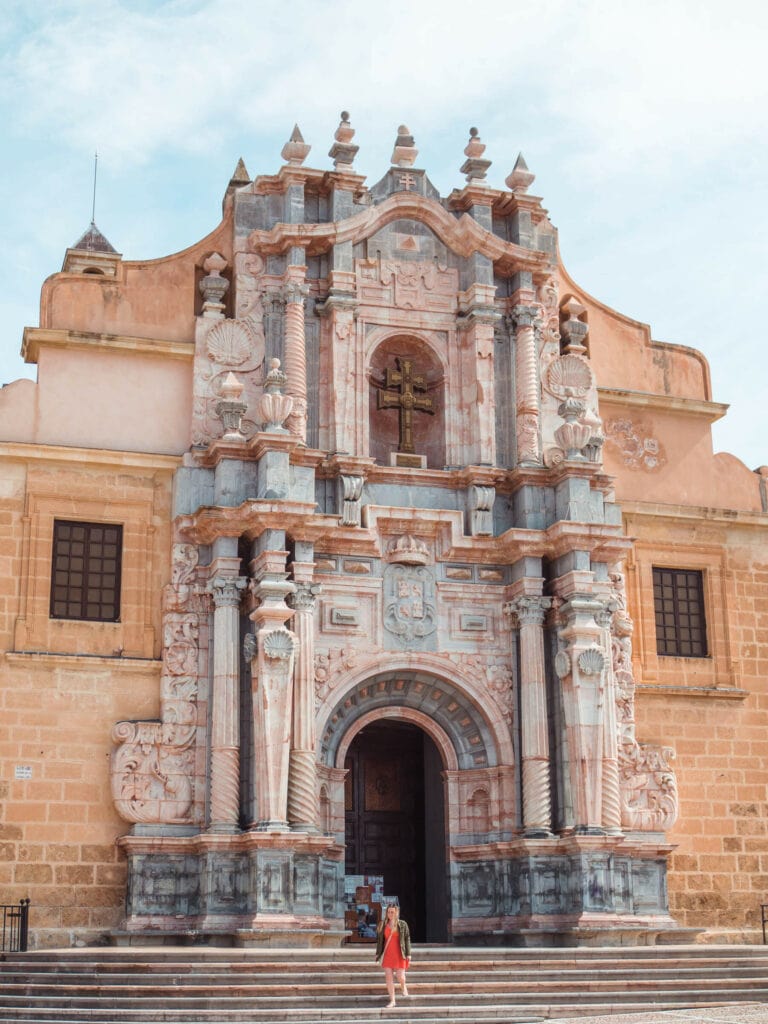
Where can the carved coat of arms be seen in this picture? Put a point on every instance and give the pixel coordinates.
(409, 610)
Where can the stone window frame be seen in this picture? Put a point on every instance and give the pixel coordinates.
(716, 668)
(63, 593)
(35, 631)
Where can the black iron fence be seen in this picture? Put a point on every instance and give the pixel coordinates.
(15, 926)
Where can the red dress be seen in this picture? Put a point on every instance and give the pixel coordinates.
(392, 958)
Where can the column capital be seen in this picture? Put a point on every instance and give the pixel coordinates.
(529, 609)
(226, 590)
(294, 292)
(304, 597)
(524, 316)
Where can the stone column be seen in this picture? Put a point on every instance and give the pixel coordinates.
(537, 802)
(611, 777)
(295, 361)
(272, 656)
(225, 718)
(527, 384)
(302, 783)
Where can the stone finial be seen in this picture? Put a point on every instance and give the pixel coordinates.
(520, 178)
(404, 154)
(342, 152)
(213, 286)
(230, 408)
(296, 149)
(274, 406)
(474, 166)
(240, 175)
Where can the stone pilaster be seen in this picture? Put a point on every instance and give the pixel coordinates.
(225, 715)
(295, 361)
(534, 744)
(611, 776)
(302, 783)
(527, 419)
(581, 668)
(272, 655)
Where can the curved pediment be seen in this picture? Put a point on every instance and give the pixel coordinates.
(463, 235)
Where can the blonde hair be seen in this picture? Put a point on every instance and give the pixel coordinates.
(385, 916)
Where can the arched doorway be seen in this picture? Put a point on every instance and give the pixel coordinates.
(394, 811)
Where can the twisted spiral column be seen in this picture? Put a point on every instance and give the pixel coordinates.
(303, 810)
(527, 384)
(295, 352)
(225, 716)
(534, 744)
(611, 794)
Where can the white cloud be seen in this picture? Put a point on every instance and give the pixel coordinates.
(627, 82)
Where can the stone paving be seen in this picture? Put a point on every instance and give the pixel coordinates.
(746, 1013)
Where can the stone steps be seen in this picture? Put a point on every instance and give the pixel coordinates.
(469, 986)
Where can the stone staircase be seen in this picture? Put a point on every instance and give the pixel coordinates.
(342, 986)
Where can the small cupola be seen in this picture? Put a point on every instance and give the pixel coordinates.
(92, 254)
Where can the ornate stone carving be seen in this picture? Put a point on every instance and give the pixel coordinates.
(408, 550)
(152, 769)
(279, 645)
(351, 488)
(329, 666)
(638, 448)
(213, 287)
(481, 499)
(229, 343)
(591, 662)
(648, 787)
(230, 408)
(495, 674)
(570, 375)
(410, 614)
(274, 406)
(562, 664)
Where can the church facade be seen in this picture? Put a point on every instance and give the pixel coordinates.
(356, 553)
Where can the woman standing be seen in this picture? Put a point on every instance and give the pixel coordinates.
(393, 948)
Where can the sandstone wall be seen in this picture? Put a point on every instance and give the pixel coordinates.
(64, 684)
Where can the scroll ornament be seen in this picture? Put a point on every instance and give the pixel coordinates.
(152, 767)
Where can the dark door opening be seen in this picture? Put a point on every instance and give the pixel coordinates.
(395, 821)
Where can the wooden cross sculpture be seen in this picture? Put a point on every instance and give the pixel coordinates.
(405, 399)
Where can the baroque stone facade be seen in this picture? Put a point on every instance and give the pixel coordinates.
(369, 474)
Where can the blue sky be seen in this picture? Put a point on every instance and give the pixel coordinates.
(645, 125)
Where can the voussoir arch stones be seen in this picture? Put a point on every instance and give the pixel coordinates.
(430, 699)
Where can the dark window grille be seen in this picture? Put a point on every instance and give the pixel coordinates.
(85, 571)
(678, 598)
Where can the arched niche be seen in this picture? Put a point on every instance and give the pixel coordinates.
(385, 424)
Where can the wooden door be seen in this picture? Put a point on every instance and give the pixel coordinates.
(385, 814)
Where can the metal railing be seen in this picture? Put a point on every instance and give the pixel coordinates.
(764, 916)
(15, 926)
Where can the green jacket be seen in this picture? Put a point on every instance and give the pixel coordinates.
(404, 934)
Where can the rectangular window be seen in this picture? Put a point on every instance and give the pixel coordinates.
(678, 599)
(85, 571)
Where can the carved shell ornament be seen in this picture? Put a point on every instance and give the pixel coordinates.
(279, 645)
(562, 664)
(591, 661)
(228, 343)
(569, 375)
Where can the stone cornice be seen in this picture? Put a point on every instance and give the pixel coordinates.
(37, 337)
(693, 513)
(710, 411)
(706, 692)
(54, 660)
(463, 236)
(88, 456)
